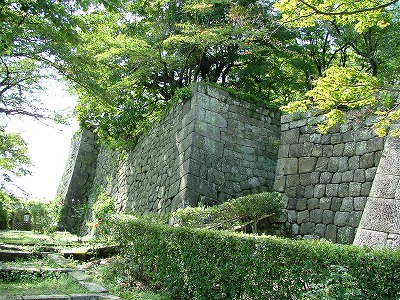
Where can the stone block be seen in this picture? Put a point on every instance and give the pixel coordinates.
(354, 189)
(361, 148)
(332, 190)
(319, 191)
(349, 149)
(312, 203)
(292, 216)
(325, 177)
(370, 174)
(303, 216)
(367, 161)
(307, 228)
(280, 183)
(391, 162)
(385, 186)
(327, 217)
(215, 119)
(327, 150)
(348, 176)
(355, 217)
(292, 180)
(366, 188)
(307, 164)
(393, 241)
(287, 166)
(316, 215)
(381, 215)
(354, 162)
(316, 150)
(301, 204)
(337, 178)
(322, 164)
(343, 190)
(370, 238)
(296, 150)
(338, 150)
(305, 179)
(320, 230)
(333, 164)
(359, 203)
(347, 204)
(309, 191)
(345, 235)
(359, 175)
(325, 203)
(314, 177)
(331, 232)
(291, 136)
(341, 218)
(294, 229)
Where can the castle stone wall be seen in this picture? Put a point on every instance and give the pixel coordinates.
(79, 172)
(204, 151)
(380, 222)
(326, 177)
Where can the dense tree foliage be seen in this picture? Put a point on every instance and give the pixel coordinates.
(132, 61)
(34, 39)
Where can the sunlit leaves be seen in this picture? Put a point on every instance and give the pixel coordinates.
(341, 89)
(362, 14)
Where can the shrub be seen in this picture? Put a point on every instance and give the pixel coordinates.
(45, 216)
(233, 212)
(190, 263)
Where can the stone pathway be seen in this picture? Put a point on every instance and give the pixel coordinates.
(97, 291)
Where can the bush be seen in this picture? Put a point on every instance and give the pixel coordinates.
(233, 212)
(45, 216)
(190, 263)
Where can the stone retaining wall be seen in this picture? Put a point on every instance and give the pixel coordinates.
(204, 151)
(327, 178)
(380, 222)
(78, 175)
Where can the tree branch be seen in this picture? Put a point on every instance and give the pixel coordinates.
(353, 12)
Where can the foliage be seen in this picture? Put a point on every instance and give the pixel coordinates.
(123, 280)
(134, 61)
(361, 14)
(341, 89)
(8, 206)
(339, 285)
(45, 216)
(14, 159)
(190, 263)
(232, 212)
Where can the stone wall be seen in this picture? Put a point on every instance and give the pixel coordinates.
(380, 222)
(77, 179)
(327, 178)
(204, 151)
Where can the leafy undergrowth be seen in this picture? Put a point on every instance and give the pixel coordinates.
(119, 279)
(39, 284)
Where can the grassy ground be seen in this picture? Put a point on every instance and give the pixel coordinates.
(31, 238)
(107, 272)
(29, 284)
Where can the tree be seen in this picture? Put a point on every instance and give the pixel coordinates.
(14, 159)
(35, 38)
(134, 61)
(363, 30)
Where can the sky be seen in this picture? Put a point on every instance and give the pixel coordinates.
(48, 146)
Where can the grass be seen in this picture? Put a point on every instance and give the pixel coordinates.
(31, 238)
(108, 272)
(48, 284)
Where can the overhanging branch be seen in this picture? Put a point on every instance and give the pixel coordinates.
(345, 12)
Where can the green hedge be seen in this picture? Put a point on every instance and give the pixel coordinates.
(191, 263)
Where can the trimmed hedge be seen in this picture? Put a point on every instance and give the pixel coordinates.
(191, 263)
